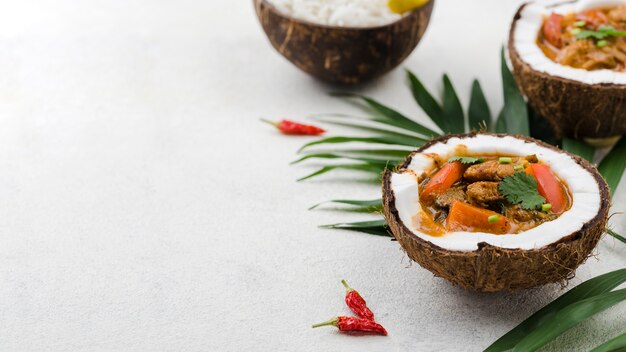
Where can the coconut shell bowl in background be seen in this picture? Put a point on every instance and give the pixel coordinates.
(343, 55)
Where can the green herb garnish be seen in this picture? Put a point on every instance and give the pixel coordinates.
(602, 43)
(521, 188)
(580, 23)
(546, 207)
(466, 159)
(493, 219)
(575, 31)
(601, 33)
(518, 167)
(505, 160)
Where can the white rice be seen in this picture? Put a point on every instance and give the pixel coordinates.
(340, 13)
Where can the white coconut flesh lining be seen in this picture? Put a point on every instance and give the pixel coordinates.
(582, 185)
(525, 42)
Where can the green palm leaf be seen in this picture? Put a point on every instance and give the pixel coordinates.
(613, 165)
(614, 345)
(452, 108)
(316, 156)
(590, 288)
(360, 125)
(371, 205)
(392, 116)
(374, 160)
(426, 101)
(379, 153)
(374, 227)
(478, 112)
(616, 235)
(367, 167)
(514, 114)
(357, 122)
(579, 148)
(568, 317)
(413, 142)
(501, 123)
(540, 128)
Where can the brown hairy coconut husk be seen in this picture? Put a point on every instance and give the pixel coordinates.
(490, 268)
(343, 55)
(574, 108)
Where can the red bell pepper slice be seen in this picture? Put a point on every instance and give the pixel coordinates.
(552, 29)
(549, 187)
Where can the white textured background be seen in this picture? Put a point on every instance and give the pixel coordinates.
(143, 207)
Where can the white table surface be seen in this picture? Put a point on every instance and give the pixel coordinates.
(143, 206)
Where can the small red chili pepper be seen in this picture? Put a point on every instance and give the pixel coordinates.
(357, 303)
(354, 324)
(295, 128)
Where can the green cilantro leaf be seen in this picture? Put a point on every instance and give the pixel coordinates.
(610, 30)
(591, 34)
(601, 33)
(521, 188)
(466, 159)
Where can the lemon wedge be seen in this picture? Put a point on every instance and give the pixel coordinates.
(402, 6)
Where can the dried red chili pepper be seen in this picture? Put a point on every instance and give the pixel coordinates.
(357, 303)
(295, 128)
(354, 324)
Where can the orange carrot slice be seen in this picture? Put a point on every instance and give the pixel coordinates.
(466, 217)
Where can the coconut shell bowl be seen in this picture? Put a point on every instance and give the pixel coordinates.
(343, 55)
(578, 103)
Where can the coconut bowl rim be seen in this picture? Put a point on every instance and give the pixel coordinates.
(293, 19)
(390, 206)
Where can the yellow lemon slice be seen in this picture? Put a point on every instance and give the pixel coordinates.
(402, 6)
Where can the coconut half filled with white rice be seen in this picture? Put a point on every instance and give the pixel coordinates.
(342, 41)
(341, 13)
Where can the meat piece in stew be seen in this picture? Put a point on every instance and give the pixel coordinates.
(490, 170)
(484, 193)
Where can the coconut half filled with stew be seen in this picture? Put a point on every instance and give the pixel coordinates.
(569, 59)
(493, 212)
